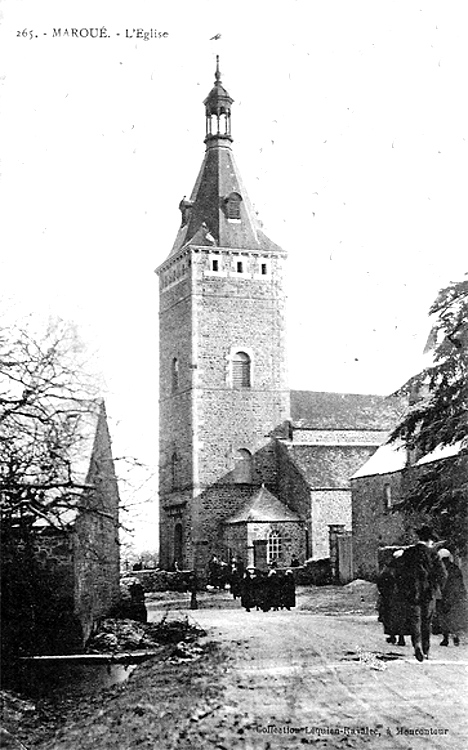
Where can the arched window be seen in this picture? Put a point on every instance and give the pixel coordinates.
(241, 370)
(242, 473)
(233, 202)
(273, 546)
(175, 375)
(174, 471)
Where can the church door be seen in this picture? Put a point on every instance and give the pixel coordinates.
(178, 543)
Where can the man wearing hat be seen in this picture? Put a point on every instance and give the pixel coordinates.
(425, 577)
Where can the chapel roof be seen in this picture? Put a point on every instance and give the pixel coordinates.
(263, 507)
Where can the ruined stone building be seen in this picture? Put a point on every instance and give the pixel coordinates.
(247, 467)
(62, 577)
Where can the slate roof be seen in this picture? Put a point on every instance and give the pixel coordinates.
(263, 507)
(356, 411)
(218, 178)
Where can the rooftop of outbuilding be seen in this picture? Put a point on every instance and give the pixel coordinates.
(393, 457)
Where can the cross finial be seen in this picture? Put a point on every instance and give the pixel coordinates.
(217, 74)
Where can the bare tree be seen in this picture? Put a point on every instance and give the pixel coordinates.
(45, 399)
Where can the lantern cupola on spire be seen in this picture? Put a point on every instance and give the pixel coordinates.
(218, 110)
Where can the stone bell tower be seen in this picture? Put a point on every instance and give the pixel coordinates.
(223, 375)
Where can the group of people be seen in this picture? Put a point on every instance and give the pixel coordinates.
(220, 573)
(421, 590)
(273, 590)
(256, 589)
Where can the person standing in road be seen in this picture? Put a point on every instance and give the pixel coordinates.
(247, 589)
(213, 571)
(237, 574)
(451, 608)
(289, 590)
(392, 601)
(424, 577)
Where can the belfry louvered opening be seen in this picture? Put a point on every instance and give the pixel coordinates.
(233, 203)
(241, 366)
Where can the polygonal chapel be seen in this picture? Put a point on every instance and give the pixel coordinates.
(247, 468)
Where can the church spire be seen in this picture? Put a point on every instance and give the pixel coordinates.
(218, 212)
(218, 111)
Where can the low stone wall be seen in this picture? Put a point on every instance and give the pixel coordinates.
(164, 580)
(313, 573)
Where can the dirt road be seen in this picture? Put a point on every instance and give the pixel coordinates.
(314, 676)
(298, 679)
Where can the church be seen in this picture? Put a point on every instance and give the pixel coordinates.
(247, 467)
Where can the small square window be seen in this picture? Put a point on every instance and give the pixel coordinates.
(215, 265)
(239, 266)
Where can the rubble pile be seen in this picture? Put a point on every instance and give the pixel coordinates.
(119, 635)
(185, 652)
(174, 630)
(128, 635)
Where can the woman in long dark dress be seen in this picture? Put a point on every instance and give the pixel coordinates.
(393, 612)
(237, 574)
(452, 607)
(289, 590)
(248, 599)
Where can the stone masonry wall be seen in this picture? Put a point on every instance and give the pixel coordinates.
(374, 525)
(237, 312)
(236, 541)
(205, 317)
(215, 504)
(311, 436)
(175, 510)
(59, 629)
(175, 408)
(292, 536)
(241, 537)
(294, 492)
(53, 552)
(328, 507)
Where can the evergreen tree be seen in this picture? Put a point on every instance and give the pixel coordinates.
(438, 417)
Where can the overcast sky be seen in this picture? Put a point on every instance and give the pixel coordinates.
(349, 126)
